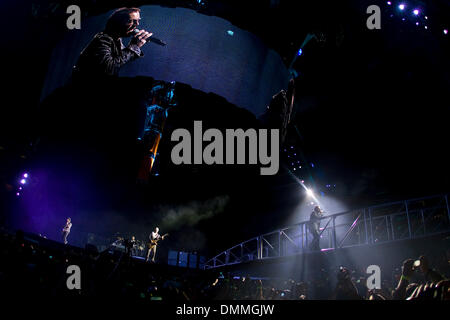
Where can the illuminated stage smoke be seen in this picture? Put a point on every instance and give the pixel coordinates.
(191, 213)
(179, 221)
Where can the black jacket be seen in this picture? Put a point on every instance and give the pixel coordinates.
(104, 56)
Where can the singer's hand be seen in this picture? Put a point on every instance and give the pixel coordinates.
(141, 38)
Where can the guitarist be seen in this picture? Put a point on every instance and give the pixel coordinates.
(154, 238)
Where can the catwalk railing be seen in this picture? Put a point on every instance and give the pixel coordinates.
(383, 223)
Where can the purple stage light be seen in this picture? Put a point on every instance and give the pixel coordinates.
(445, 31)
(17, 194)
(23, 181)
(389, 3)
(417, 23)
(416, 12)
(25, 175)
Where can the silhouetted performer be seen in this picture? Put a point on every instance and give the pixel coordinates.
(278, 113)
(314, 227)
(130, 246)
(66, 230)
(154, 238)
(106, 53)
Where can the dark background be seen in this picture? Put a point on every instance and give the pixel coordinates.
(371, 115)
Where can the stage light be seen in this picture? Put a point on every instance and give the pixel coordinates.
(17, 194)
(445, 31)
(389, 3)
(23, 181)
(426, 18)
(20, 188)
(300, 51)
(309, 192)
(417, 23)
(231, 33)
(416, 12)
(25, 175)
(426, 27)
(401, 6)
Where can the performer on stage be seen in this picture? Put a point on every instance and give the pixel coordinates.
(66, 230)
(130, 246)
(106, 54)
(314, 227)
(154, 238)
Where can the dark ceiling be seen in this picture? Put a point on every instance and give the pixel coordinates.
(371, 104)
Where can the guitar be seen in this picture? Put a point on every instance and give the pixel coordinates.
(155, 242)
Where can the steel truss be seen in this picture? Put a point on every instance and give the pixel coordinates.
(394, 221)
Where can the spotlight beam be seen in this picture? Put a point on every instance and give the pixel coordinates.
(309, 192)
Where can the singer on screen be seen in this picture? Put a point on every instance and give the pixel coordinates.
(106, 54)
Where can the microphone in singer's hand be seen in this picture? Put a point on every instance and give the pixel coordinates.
(151, 39)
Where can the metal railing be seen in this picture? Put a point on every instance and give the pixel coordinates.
(383, 223)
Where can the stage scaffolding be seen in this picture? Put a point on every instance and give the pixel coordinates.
(389, 222)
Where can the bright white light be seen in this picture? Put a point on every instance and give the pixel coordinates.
(23, 181)
(309, 192)
(416, 12)
(389, 3)
(25, 175)
(401, 7)
(445, 31)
